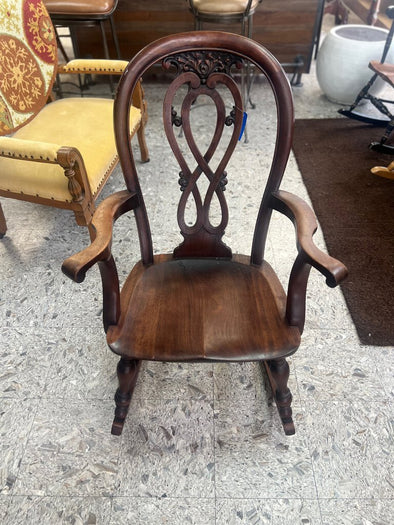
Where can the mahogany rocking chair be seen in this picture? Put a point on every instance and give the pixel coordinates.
(202, 302)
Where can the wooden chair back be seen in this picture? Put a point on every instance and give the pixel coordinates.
(205, 63)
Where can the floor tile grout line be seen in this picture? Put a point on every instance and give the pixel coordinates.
(303, 405)
(214, 438)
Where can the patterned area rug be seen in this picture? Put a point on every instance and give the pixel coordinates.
(356, 213)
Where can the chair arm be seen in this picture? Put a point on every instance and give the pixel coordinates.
(65, 156)
(91, 66)
(76, 266)
(29, 150)
(305, 223)
(308, 255)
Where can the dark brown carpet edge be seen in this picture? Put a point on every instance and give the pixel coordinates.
(356, 213)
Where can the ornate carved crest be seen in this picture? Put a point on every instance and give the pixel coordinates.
(203, 63)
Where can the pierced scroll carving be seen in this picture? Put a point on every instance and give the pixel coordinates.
(223, 181)
(203, 73)
(203, 63)
(175, 118)
(183, 182)
(230, 119)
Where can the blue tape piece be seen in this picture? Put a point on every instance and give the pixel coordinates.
(245, 118)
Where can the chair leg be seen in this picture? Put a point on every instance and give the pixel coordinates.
(106, 53)
(115, 38)
(140, 102)
(278, 375)
(3, 223)
(142, 143)
(127, 375)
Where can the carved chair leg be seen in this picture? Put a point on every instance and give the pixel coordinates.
(278, 375)
(3, 224)
(127, 375)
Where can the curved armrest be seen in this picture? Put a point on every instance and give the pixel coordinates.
(67, 157)
(308, 255)
(304, 220)
(29, 150)
(106, 214)
(91, 66)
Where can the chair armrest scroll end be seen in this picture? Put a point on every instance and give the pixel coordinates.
(75, 269)
(108, 211)
(305, 223)
(335, 274)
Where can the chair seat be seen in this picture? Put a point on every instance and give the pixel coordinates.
(203, 309)
(385, 71)
(81, 8)
(63, 122)
(227, 7)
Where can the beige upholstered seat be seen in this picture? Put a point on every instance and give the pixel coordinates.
(226, 12)
(81, 7)
(227, 7)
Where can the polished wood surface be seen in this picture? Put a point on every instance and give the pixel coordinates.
(237, 312)
(202, 302)
(286, 28)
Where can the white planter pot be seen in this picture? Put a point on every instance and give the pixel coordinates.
(342, 61)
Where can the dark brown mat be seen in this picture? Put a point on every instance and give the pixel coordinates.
(356, 213)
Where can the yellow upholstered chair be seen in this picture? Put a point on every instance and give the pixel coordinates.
(59, 153)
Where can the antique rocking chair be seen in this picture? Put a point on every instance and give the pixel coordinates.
(384, 71)
(202, 302)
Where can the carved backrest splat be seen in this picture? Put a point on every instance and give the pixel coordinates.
(202, 72)
(203, 62)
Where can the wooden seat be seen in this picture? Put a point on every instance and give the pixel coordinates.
(239, 309)
(202, 302)
(385, 71)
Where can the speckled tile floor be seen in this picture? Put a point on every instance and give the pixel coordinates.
(202, 443)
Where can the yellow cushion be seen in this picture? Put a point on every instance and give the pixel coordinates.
(227, 7)
(83, 123)
(94, 65)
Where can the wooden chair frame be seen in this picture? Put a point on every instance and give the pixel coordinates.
(138, 328)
